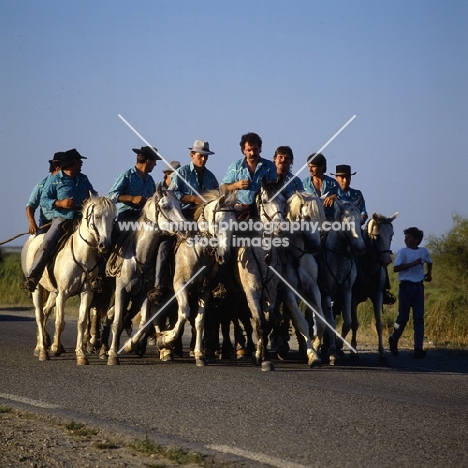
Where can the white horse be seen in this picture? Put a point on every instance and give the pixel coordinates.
(76, 265)
(198, 257)
(339, 268)
(305, 213)
(255, 277)
(371, 274)
(136, 260)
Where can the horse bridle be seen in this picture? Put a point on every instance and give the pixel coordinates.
(260, 204)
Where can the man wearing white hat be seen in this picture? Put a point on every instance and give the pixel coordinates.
(188, 183)
(199, 178)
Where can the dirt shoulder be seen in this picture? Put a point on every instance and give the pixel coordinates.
(36, 441)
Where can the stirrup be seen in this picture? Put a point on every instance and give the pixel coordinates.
(28, 286)
(219, 292)
(97, 284)
(155, 295)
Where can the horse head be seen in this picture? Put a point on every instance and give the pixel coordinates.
(271, 206)
(379, 231)
(216, 217)
(349, 217)
(99, 214)
(305, 213)
(164, 210)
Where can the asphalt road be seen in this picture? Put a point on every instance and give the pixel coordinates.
(407, 414)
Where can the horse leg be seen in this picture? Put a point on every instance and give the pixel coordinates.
(56, 349)
(40, 351)
(167, 337)
(199, 354)
(86, 298)
(302, 326)
(377, 303)
(48, 308)
(116, 327)
(347, 323)
(354, 325)
(329, 351)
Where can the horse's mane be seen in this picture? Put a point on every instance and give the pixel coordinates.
(295, 203)
(100, 202)
(211, 195)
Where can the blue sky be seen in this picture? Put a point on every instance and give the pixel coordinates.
(293, 71)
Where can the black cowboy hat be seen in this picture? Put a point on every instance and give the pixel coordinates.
(343, 170)
(147, 151)
(68, 156)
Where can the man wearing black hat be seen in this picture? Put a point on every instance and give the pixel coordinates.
(133, 187)
(346, 193)
(34, 201)
(64, 193)
(319, 184)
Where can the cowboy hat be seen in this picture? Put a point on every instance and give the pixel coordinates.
(173, 165)
(147, 151)
(202, 147)
(343, 170)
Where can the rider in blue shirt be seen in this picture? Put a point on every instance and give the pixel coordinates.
(64, 194)
(319, 184)
(34, 201)
(283, 159)
(191, 180)
(346, 193)
(246, 174)
(133, 187)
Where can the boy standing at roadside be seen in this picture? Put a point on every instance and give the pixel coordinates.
(409, 264)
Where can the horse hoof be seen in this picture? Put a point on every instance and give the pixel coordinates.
(241, 354)
(43, 356)
(267, 366)
(90, 348)
(282, 353)
(200, 362)
(82, 361)
(167, 357)
(332, 360)
(113, 361)
(315, 362)
(128, 346)
(103, 354)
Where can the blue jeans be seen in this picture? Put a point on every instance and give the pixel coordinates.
(411, 295)
(49, 243)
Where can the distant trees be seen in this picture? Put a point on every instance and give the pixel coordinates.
(450, 251)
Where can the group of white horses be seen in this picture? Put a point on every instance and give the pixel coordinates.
(313, 271)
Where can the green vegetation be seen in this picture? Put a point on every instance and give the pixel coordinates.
(11, 277)
(175, 454)
(81, 430)
(5, 409)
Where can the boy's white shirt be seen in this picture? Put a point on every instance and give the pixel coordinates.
(415, 273)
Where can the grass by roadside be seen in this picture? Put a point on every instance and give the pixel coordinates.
(47, 441)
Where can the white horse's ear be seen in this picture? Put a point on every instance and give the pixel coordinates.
(375, 216)
(325, 195)
(222, 199)
(159, 190)
(395, 215)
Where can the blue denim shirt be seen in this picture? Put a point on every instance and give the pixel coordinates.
(238, 170)
(131, 183)
(352, 195)
(292, 187)
(329, 187)
(34, 202)
(61, 186)
(190, 175)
